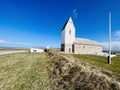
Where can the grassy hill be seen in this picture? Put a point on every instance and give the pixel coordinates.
(24, 71)
(71, 73)
(56, 71)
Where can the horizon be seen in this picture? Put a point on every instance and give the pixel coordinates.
(34, 23)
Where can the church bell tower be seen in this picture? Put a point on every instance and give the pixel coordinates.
(68, 37)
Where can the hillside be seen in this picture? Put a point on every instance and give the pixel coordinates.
(53, 71)
(70, 73)
(24, 71)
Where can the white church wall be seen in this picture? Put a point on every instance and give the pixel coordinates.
(68, 48)
(63, 37)
(69, 32)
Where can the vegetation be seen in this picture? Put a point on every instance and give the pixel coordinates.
(14, 49)
(69, 73)
(53, 71)
(24, 71)
(102, 62)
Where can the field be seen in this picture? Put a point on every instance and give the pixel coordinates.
(102, 62)
(24, 71)
(56, 71)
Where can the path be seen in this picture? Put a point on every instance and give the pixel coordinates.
(12, 51)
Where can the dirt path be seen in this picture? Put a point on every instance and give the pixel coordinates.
(10, 52)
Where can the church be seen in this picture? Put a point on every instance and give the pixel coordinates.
(71, 44)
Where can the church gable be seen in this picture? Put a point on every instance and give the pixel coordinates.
(69, 24)
(68, 32)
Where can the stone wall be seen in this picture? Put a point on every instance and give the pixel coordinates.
(87, 49)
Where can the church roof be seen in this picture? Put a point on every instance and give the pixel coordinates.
(70, 19)
(65, 24)
(85, 41)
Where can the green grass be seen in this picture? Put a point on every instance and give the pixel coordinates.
(29, 71)
(102, 62)
(24, 71)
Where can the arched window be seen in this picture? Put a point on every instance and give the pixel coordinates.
(69, 31)
(83, 47)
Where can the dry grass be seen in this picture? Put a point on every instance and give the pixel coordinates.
(52, 71)
(70, 73)
(24, 71)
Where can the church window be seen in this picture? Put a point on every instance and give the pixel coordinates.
(83, 47)
(69, 31)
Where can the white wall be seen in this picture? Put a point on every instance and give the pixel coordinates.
(68, 38)
(63, 37)
(105, 55)
(36, 50)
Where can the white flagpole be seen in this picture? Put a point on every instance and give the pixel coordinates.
(109, 58)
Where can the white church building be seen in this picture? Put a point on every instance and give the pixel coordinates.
(71, 44)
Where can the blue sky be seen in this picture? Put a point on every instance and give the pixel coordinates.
(38, 23)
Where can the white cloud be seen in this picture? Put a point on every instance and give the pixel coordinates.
(4, 42)
(117, 35)
(75, 14)
(18, 43)
(7, 43)
(115, 45)
(21, 43)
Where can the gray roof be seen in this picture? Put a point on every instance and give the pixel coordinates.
(85, 41)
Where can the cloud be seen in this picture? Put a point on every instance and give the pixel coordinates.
(115, 45)
(14, 44)
(4, 42)
(23, 44)
(75, 14)
(19, 43)
(117, 35)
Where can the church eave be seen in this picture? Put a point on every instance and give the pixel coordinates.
(87, 44)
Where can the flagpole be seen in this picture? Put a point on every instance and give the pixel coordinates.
(109, 57)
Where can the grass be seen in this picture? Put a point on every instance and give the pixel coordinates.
(102, 62)
(24, 71)
(70, 73)
(51, 70)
